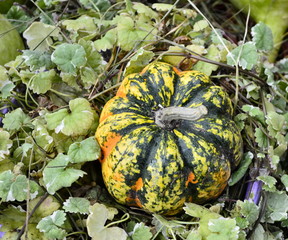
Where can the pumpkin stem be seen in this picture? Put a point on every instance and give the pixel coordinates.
(167, 117)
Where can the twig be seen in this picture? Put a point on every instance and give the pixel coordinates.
(30, 215)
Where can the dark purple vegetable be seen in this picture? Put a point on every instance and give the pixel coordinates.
(4, 111)
(253, 192)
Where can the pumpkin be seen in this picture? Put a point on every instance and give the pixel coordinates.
(167, 138)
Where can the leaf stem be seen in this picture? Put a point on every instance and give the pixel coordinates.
(105, 91)
(31, 213)
(124, 218)
(157, 233)
(186, 223)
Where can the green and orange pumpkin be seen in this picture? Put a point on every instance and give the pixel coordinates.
(167, 138)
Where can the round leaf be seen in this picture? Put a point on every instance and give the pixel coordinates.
(246, 54)
(75, 122)
(69, 57)
(87, 150)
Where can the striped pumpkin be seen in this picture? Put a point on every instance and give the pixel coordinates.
(167, 137)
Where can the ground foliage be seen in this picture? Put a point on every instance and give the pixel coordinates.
(77, 53)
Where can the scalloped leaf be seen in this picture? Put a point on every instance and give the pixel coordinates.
(262, 37)
(69, 57)
(87, 150)
(131, 34)
(246, 54)
(15, 120)
(76, 205)
(15, 187)
(51, 225)
(37, 59)
(75, 121)
(139, 61)
(42, 82)
(223, 228)
(57, 174)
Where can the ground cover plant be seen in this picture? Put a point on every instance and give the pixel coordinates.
(76, 53)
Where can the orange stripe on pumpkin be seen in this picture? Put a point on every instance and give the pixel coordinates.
(118, 177)
(121, 91)
(191, 179)
(109, 144)
(177, 71)
(138, 185)
(133, 202)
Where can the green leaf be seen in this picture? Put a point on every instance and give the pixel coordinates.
(262, 37)
(200, 25)
(6, 86)
(106, 42)
(284, 180)
(246, 54)
(194, 235)
(39, 36)
(76, 205)
(259, 233)
(141, 232)
(131, 34)
(69, 57)
(223, 228)
(261, 138)
(57, 174)
(94, 58)
(76, 121)
(63, 142)
(88, 76)
(251, 88)
(162, 7)
(276, 123)
(52, 225)
(15, 120)
(139, 61)
(87, 150)
(18, 14)
(101, 5)
(70, 79)
(15, 187)
(254, 112)
(269, 183)
(5, 144)
(97, 218)
(248, 210)
(277, 206)
(208, 68)
(165, 226)
(46, 208)
(41, 82)
(41, 136)
(37, 60)
(83, 26)
(242, 169)
(205, 216)
(145, 10)
(282, 65)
